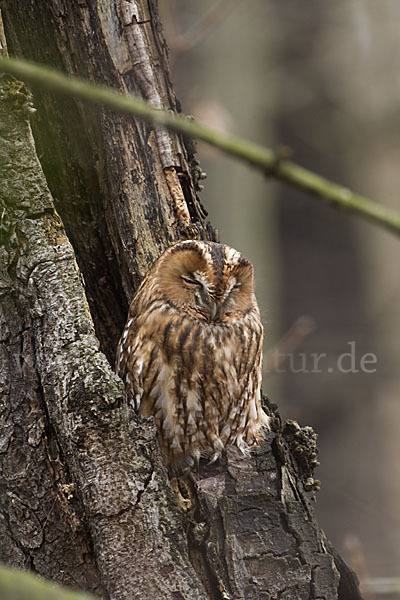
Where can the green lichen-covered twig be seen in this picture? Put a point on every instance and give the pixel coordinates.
(21, 585)
(325, 191)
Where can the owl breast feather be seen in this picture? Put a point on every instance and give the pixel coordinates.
(201, 383)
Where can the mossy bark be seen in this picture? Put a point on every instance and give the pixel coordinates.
(87, 499)
(85, 491)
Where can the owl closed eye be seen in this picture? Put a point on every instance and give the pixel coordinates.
(191, 352)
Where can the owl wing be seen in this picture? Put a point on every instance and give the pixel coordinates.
(140, 362)
(246, 417)
(131, 356)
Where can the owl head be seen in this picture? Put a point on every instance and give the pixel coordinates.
(210, 281)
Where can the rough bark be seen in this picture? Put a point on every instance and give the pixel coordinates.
(87, 500)
(253, 531)
(130, 187)
(83, 479)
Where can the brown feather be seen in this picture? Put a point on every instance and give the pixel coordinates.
(191, 352)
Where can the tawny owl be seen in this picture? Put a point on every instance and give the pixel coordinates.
(191, 352)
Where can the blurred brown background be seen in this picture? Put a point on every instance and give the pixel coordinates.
(322, 78)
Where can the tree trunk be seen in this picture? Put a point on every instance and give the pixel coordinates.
(86, 497)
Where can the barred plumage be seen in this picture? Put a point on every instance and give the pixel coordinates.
(191, 351)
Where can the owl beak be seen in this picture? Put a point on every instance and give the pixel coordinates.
(213, 310)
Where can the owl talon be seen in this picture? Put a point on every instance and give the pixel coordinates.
(214, 458)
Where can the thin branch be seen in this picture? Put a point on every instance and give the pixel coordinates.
(208, 21)
(295, 337)
(273, 165)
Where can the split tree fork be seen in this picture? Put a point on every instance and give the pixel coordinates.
(86, 498)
